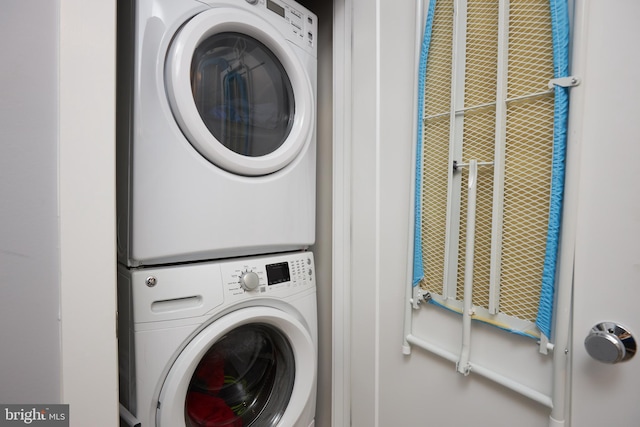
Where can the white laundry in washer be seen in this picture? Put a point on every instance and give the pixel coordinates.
(216, 129)
(229, 343)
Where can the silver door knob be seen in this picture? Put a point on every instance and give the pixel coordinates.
(609, 342)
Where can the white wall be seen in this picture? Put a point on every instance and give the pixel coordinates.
(365, 227)
(387, 387)
(57, 236)
(87, 211)
(29, 241)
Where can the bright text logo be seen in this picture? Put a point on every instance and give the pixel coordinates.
(37, 415)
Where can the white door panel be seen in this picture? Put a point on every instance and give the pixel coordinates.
(607, 259)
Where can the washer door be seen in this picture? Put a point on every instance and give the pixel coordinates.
(253, 367)
(238, 91)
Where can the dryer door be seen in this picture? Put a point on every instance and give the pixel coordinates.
(253, 367)
(238, 91)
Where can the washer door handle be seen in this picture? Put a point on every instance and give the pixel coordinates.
(609, 342)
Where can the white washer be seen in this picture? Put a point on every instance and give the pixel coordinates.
(198, 348)
(216, 129)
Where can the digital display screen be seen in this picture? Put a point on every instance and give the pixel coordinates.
(275, 7)
(277, 273)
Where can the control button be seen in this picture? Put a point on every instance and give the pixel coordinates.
(252, 1)
(249, 280)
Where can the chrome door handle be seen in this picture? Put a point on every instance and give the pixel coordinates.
(609, 342)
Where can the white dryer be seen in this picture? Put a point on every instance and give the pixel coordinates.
(230, 343)
(216, 129)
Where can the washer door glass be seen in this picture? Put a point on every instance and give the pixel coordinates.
(255, 366)
(243, 93)
(246, 378)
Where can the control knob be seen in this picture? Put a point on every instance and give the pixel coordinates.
(249, 280)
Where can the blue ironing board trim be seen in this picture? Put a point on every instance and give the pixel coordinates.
(560, 30)
(418, 269)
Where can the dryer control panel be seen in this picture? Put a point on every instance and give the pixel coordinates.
(276, 276)
(302, 23)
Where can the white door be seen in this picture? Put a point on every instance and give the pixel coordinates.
(605, 142)
(238, 91)
(607, 257)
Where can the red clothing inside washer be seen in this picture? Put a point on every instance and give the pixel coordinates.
(210, 411)
(204, 408)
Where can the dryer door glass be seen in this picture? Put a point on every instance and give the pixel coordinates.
(243, 93)
(246, 378)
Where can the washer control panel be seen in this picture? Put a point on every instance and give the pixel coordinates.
(277, 275)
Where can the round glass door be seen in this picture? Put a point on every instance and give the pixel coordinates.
(255, 366)
(239, 92)
(246, 378)
(243, 93)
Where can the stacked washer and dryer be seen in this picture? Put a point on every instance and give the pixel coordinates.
(216, 210)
